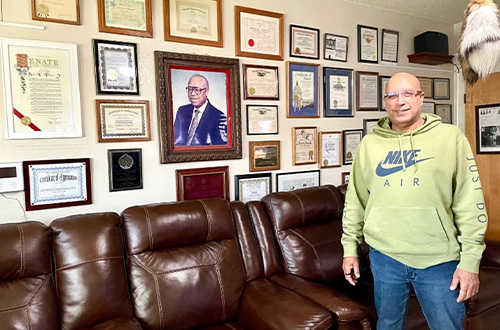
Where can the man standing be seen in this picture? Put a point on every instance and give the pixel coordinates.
(199, 123)
(415, 197)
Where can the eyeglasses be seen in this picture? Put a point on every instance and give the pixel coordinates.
(392, 96)
(196, 90)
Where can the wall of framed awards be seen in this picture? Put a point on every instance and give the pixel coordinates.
(288, 104)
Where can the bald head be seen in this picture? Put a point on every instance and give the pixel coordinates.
(401, 79)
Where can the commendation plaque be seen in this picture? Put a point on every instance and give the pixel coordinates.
(125, 169)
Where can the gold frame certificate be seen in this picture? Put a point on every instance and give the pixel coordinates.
(304, 145)
(261, 82)
(57, 11)
(426, 87)
(129, 17)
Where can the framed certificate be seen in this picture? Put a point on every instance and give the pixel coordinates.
(390, 42)
(330, 149)
(426, 87)
(335, 47)
(297, 180)
(125, 169)
(262, 119)
(441, 88)
(129, 17)
(304, 145)
(345, 177)
(196, 22)
(57, 183)
(67, 12)
(487, 129)
(41, 89)
(367, 44)
(264, 155)
(369, 125)
(304, 42)
(252, 187)
(428, 107)
(382, 83)
(367, 91)
(351, 140)
(122, 121)
(302, 81)
(260, 82)
(337, 91)
(116, 67)
(198, 183)
(444, 111)
(259, 33)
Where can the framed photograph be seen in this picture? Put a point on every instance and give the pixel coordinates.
(57, 183)
(198, 183)
(196, 22)
(260, 82)
(369, 125)
(350, 139)
(345, 177)
(304, 42)
(335, 47)
(382, 82)
(330, 149)
(390, 43)
(337, 91)
(125, 169)
(264, 155)
(487, 129)
(367, 91)
(67, 12)
(302, 81)
(304, 145)
(441, 88)
(444, 111)
(34, 111)
(428, 107)
(122, 120)
(198, 100)
(252, 187)
(258, 33)
(426, 87)
(129, 17)
(367, 44)
(262, 119)
(297, 180)
(116, 67)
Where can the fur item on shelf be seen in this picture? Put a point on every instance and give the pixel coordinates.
(479, 48)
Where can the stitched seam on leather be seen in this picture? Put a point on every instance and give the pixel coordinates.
(21, 238)
(273, 224)
(221, 288)
(314, 250)
(28, 317)
(87, 262)
(158, 300)
(230, 326)
(302, 210)
(209, 220)
(150, 231)
(321, 323)
(29, 300)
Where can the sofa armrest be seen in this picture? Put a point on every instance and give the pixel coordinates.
(491, 256)
(268, 306)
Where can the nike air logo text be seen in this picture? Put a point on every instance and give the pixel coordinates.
(397, 158)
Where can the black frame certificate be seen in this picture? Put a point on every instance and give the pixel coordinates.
(252, 187)
(337, 91)
(390, 41)
(441, 88)
(260, 82)
(350, 142)
(304, 42)
(367, 44)
(125, 169)
(335, 47)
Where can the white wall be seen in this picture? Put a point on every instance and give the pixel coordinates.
(331, 16)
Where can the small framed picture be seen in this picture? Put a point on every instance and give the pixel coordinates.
(428, 107)
(198, 183)
(444, 111)
(125, 169)
(487, 129)
(390, 42)
(252, 187)
(426, 87)
(262, 119)
(304, 42)
(367, 91)
(382, 83)
(369, 125)
(330, 148)
(441, 88)
(264, 155)
(116, 67)
(297, 180)
(67, 12)
(351, 140)
(133, 18)
(335, 47)
(345, 177)
(302, 98)
(260, 82)
(337, 91)
(304, 145)
(367, 44)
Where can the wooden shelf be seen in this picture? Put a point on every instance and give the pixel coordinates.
(430, 58)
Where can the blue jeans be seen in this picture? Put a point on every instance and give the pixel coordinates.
(393, 280)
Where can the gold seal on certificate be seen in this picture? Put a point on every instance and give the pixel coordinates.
(26, 120)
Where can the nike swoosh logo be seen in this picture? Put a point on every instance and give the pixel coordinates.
(381, 171)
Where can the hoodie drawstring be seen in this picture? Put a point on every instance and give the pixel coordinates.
(414, 154)
(401, 151)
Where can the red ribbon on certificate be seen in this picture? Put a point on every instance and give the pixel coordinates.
(26, 120)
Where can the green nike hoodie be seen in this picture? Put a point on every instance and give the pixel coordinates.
(416, 197)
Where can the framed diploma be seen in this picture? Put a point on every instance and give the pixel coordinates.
(125, 169)
(302, 99)
(264, 155)
(262, 119)
(259, 33)
(129, 17)
(41, 89)
(369, 125)
(116, 67)
(122, 121)
(198, 183)
(390, 42)
(367, 91)
(297, 180)
(441, 88)
(196, 22)
(260, 82)
(335, 47)
(351, 140)
(426, 87)
(337, 91)
(304, 145)
(67, 12)
(487, 129)
(382, 82)
(330, 149)
(444, 111)
(304, 42)
(252, 187)
(367, 44)
(428, 107)
(57, 183)
(345, 177)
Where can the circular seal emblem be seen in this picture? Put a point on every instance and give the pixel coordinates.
(26, 120)
(251, 42)
(297, 50)
(349, 155)
(111, 75)
(251, 90)
(325, 162)
(125, 162)
(43, 10)
(194, 29)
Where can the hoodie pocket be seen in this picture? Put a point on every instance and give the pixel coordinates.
(406, 231)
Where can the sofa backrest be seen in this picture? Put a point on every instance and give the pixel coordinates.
(184, 266)
(26, 282)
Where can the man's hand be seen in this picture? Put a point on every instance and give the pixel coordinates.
(350, 266)
(469, 284)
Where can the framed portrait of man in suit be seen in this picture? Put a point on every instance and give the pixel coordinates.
(199, 107)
